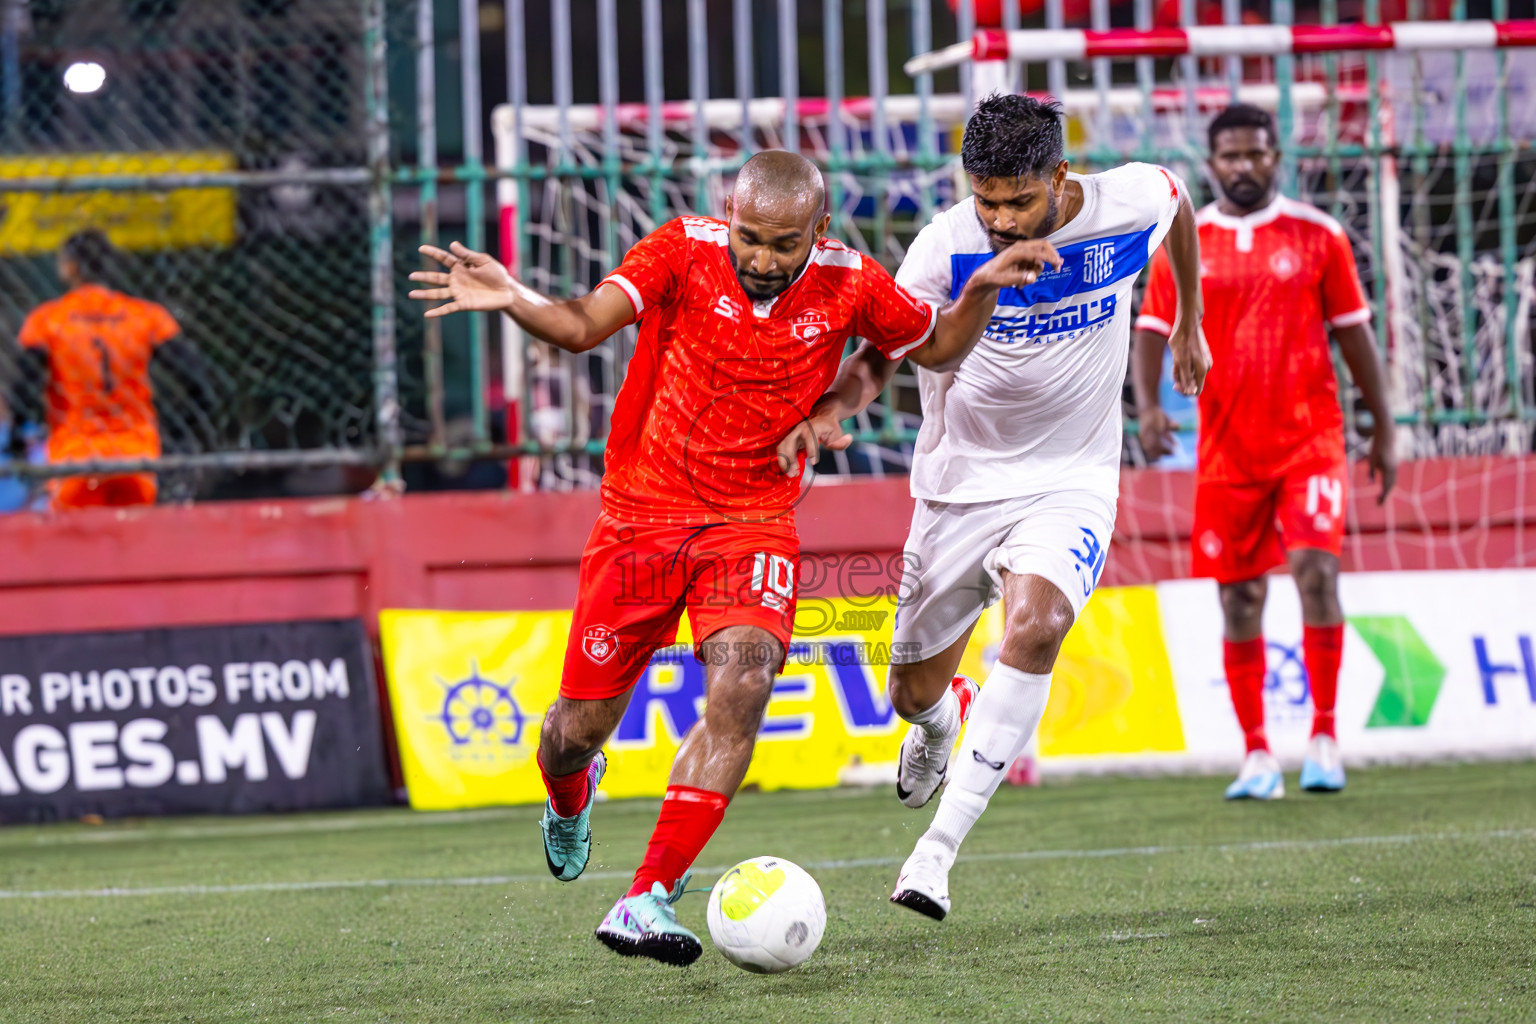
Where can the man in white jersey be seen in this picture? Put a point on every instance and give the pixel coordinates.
(1016, 469)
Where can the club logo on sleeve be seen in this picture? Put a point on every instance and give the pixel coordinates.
(600, 644)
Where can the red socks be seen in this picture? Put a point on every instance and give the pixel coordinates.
(1322, 650)
(1246, 668)
(688, 818)
(567, 793)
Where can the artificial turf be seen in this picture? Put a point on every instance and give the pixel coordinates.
(1412, 895)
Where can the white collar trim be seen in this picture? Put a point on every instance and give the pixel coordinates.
(1245, 225)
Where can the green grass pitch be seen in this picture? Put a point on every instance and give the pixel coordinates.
(1411, 896)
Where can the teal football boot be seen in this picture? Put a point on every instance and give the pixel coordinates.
(646, 925)
(568, 841)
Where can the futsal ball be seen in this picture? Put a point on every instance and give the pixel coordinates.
(766, 915)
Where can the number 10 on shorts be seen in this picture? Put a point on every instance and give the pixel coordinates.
(773, 579)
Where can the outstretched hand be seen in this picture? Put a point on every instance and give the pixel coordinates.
(474, 282)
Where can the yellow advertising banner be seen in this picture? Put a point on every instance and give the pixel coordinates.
(469, 690)
(1112, 692)
(178, 218)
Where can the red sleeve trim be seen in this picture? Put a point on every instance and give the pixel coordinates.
(1155, 324)
(1173, 186)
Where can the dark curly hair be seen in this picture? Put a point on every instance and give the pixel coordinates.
(1241, 115)
(1013, 136)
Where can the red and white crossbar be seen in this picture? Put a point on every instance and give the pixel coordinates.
(1225, 41)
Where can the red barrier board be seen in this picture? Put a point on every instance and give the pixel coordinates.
(338, 558)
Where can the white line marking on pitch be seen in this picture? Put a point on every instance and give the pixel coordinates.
(1259, 846)
(272, 828)
(52, 835)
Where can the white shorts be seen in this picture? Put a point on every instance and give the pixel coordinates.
(956, 555)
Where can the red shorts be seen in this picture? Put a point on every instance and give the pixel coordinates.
(1244, 530)
(96, 491)
(637, 580)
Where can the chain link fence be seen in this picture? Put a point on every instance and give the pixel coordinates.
(223, 147)
(265, 169)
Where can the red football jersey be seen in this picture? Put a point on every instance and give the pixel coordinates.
(1274, 282)
(718, 380)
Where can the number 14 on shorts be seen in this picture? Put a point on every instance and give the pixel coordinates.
(1324, 490)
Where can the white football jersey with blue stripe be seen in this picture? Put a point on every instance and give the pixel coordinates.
(1035, 408)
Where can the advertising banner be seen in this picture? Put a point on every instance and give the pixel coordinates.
(1436, 664)
(469, 691)
(38, 222)
(219, 719)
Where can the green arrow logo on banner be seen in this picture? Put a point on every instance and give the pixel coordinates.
(1413, 673)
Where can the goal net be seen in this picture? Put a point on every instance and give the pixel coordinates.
(1424, 157)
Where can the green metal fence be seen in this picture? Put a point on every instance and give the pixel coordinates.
(557, 132)
(1425, 158)
(236, 153)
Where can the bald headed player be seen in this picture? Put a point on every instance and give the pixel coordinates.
(742, 323)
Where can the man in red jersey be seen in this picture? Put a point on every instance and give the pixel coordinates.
(1277, 276)
(742, 325)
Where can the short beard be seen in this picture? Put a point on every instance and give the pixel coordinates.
(1250, 195)
(760, 289)
(1045, 227)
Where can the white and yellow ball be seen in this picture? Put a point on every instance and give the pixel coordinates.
(766, 915)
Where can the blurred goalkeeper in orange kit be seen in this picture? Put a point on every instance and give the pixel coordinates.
(86, 356)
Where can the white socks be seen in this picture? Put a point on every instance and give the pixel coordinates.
(1002, 722)
(941, 720)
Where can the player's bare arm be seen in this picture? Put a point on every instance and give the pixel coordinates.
(960, 323)
(1191, 354)
(1357, 344)
(478, 282)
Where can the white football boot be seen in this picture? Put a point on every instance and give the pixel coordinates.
(923, 884)
(1260, 779)
(1323, 769)
(924, 763)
